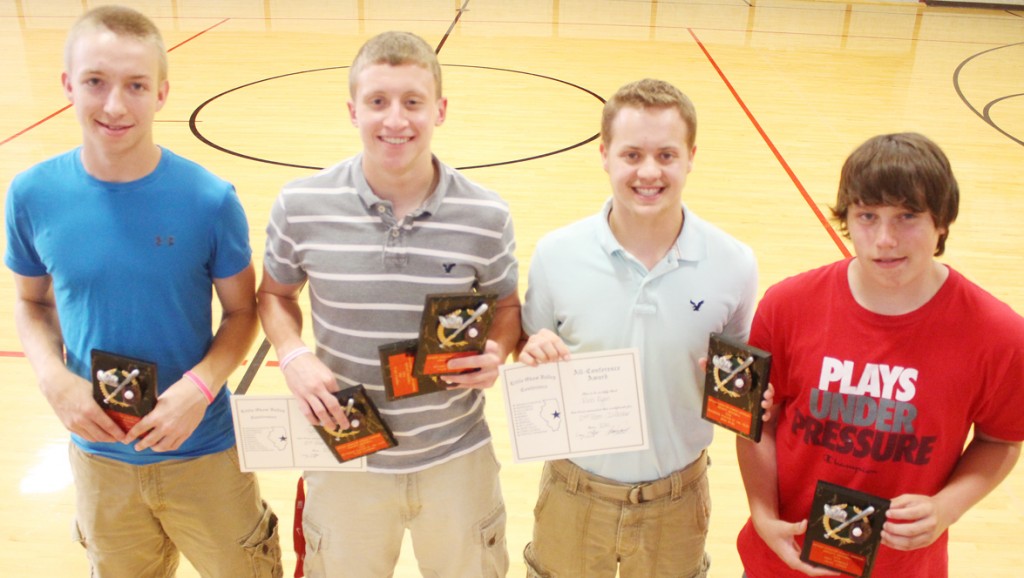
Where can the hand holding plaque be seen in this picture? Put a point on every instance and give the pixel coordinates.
(367, 433)
(125, 387)
(734, 385)
(844, 529)
(453, 325)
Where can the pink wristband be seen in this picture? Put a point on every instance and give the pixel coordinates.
(201, 385)
(300, 350)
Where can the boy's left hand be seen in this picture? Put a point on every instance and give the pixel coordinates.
(913, 521)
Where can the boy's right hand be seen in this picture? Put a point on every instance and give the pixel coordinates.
(779, 536)
(313, 384)
(544, 347)
(70, 396)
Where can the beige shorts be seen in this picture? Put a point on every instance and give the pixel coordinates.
(133, 520)
(586, 525)
(354, 522)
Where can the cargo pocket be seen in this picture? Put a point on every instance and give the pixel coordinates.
(264, 547)
(547, 483)
(313, 560)
(77, 536)
(702, 509)
(494, 549)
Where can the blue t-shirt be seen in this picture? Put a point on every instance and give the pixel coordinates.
(133, 266)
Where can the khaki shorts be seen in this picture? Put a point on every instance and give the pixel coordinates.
(586, 525)
(133, 520)
(354, 522)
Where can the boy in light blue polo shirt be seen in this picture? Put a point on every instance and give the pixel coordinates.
(645, 272)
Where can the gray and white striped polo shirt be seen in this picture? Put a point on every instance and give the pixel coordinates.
(368, 276)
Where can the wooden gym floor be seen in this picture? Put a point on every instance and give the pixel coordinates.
(784, 90)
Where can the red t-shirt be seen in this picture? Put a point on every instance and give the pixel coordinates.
(882, 404)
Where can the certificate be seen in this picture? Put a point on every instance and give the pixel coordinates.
(272, 434)
(590, 405)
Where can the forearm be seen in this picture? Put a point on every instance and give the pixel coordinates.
(506, 328)
(70, 396)
(38, 329)
(231, 343)
(281, 318)
(760, 473)
(984, 465)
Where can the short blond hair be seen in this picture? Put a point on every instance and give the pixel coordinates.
(395, 48)
(649, 93)
(122, 21)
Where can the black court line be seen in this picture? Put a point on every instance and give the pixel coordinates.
(984, 114)
(542, 155)
(264, 348)
(782, 161)
(195, 114)
(458, 15)
(194, 122)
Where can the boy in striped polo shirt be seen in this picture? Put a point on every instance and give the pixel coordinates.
(372, 236)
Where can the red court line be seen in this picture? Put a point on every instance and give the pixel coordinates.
(198, 34)
(21, 354)
(789, 171)
(37, 123)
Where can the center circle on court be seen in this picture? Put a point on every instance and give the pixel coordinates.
(495, 116)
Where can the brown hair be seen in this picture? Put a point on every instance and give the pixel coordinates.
(900, 170)
(395, 49)
(122, 21)
(649, 93)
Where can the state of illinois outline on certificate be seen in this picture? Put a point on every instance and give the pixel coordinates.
(272, 434)
(592, 404)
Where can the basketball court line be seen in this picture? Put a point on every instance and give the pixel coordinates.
(263, 349)
(67, 106)
(775, 151)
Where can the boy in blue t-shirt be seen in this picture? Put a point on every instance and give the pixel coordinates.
(118, 245)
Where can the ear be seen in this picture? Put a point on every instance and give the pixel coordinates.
(442, 111)
(689, 163)
(161, 94)
(604, 156)
(352, 114)
(65, 82)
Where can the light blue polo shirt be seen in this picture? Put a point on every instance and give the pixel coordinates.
(596, 296)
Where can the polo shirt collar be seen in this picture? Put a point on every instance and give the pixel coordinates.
(371, 200)
(690, 245)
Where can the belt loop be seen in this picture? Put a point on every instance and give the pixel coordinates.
(636, 494)
(676, 479)
(572, 481)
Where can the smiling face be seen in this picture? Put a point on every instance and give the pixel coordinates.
(115, 85)
(396, 109)
(647, 160)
